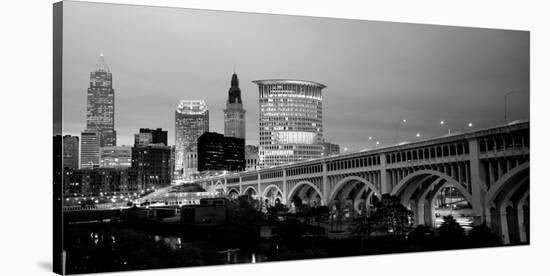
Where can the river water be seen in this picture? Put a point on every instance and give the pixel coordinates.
(103, 247)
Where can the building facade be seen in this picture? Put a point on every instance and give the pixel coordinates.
(96, 182)
(290, 121)
(330, 148)
(89, 149)
(148, 136)
(234, 114)
(151, 165)
(115, 157)
(192, 120)
(251, 157)
(210, 152)
(215, 152)
(100, 108)
(70, 152)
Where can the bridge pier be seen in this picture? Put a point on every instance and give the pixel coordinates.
(477, 183)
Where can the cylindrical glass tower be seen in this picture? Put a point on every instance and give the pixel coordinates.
(290, 121)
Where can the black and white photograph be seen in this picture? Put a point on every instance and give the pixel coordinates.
(289, 140)
(196, 137)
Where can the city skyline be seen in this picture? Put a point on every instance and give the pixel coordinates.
(365, 97)
(363, 138)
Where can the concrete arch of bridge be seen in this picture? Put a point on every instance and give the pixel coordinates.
(424, 201)
(361, 202)
(296, 189)
(269, 188)
(409, 179)
(250, 190)
(277, 195)
(416, 184)
(418, 190)
(506, 203)
(219, 188)
(233, 192)
(510, 178)
(351, 180)
(523, 217)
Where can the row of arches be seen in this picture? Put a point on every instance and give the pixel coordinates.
(505, 202)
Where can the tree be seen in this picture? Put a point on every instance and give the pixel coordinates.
(450, 233)
(298, 204)
(274, 211)
(421, 235)
(390, 215)
(481, 236)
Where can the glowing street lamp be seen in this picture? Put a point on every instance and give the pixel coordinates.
(418, 135)
(470, 125)
(442, 123)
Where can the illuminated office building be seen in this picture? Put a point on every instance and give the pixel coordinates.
(192, 120)
(89, 149)
(290, 121)
(100, 107)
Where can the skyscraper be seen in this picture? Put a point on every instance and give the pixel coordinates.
(70, 152)
(290, 121)
(192, 120)
(89, 149)
(100, 109)
(234, 119)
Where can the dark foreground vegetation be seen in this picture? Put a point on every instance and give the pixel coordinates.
(309, 232)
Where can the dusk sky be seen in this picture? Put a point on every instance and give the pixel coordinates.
(376, 73)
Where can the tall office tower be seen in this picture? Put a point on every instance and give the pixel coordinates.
(234, 119)
(148, 136)
(70, 152)
(290, 121)
(89, 149)
(100, 110)
(192, 120)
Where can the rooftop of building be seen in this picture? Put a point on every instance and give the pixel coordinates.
(289, 81)
(192, 107)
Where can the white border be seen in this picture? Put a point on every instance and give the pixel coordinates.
(26, 135)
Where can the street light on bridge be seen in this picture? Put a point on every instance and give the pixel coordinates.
(442, 123)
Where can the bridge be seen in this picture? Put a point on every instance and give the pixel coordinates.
(489, 167)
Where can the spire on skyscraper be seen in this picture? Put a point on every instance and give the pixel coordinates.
(234, 91)
(101, 65)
